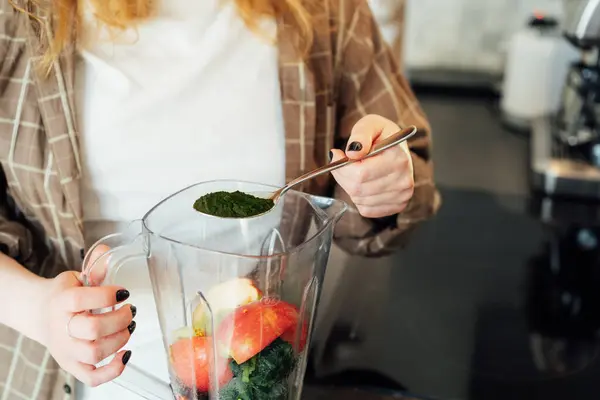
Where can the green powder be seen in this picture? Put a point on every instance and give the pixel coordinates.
(232, 204)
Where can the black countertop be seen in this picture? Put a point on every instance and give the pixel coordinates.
(331, 393)
(496, 298)
(488, 303)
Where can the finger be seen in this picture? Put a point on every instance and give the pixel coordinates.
(96, 265)
(375, 178)
(362, 171)
(82, 299)
(93, 352)
(381, 211)
(339, 174)
(391, 161)
(384, 199)
(92, 376)
(366, 132)
(336, 155)
(95, 326)
(393, 182)
(374, 167)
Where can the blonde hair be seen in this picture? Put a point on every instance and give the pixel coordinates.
(123, 14)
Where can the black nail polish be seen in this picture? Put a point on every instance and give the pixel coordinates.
(122, 295)
(82, 254)
(330, 155)
(133, 311)
(126, 357)
(355, 146)
(131, 327)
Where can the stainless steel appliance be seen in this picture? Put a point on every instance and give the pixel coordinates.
(582, 22)
(565, 148)
(577, 120)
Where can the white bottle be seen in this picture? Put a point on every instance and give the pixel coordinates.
(538, 60)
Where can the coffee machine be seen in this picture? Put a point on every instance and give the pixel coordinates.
(565, 148)
(582, 23)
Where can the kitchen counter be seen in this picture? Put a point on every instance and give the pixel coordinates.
(496, 298)
(331, 393)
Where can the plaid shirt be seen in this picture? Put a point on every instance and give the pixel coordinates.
(349, 73)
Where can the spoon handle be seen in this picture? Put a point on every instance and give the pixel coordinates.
(383, 145)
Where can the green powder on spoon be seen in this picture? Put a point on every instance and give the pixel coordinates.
(232, 204)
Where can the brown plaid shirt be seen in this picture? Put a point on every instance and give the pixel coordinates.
(350, 73)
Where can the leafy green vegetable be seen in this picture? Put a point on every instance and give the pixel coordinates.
(236, 390)
(264, 376)
(247, 370)
(232, 204)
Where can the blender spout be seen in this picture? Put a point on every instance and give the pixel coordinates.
(333, 209)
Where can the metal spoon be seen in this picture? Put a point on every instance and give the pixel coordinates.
(391, 141)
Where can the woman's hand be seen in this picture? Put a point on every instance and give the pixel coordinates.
(381, 185)
(77, 339)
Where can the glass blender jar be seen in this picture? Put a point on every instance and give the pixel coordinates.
(235, 298)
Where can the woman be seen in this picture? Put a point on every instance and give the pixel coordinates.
(109, 106)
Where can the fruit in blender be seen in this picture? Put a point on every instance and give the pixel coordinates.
(222, 299)
(290, 336)
(192, 360)
(250, 328)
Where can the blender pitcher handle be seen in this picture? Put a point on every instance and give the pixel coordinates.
(106, 257)
(101, 267)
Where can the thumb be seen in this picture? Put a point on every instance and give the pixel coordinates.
(96, 264)
(360, 142)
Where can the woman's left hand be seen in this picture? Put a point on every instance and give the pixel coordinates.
(381, 185)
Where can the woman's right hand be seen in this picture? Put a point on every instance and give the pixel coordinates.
(78, 339)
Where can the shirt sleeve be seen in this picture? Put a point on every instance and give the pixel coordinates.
(371, 83)
(16, 239)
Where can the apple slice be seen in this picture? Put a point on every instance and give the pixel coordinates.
(290, 336)
(224, 298)
(184, 332)
(250, 328)
(192, 361)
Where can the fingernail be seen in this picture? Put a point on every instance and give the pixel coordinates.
(131, 327)
(122, 295)
(355, 146)
(126, 357)
(133, 311)
(330, 155)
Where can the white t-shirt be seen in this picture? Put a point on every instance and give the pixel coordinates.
(190, 96)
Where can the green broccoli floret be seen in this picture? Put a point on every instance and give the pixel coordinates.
(264, 376)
